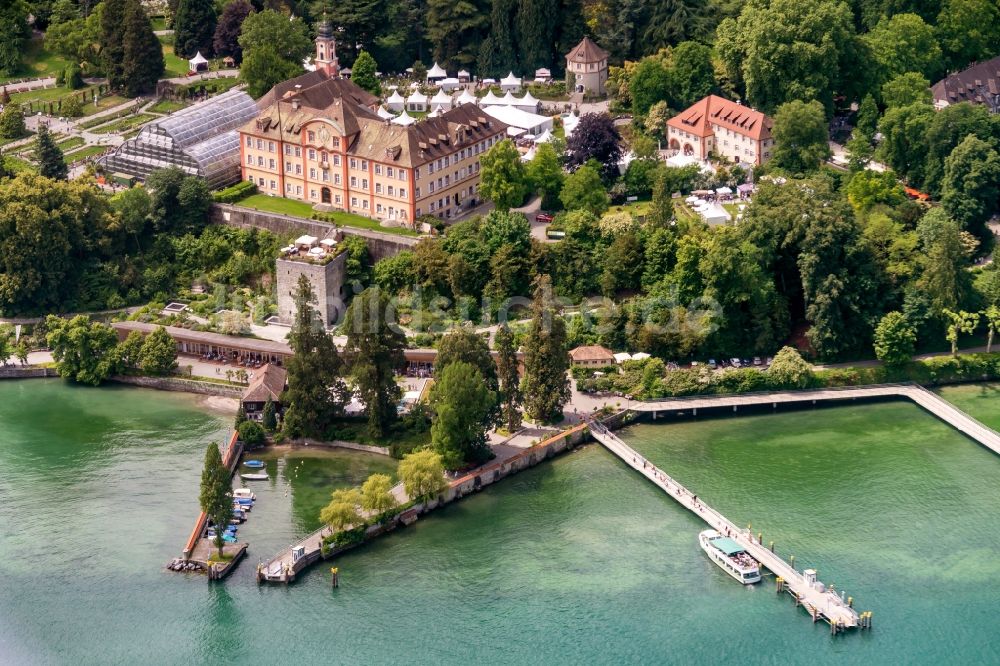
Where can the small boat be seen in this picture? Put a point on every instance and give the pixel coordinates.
(259, 476)
(255, 464)
(244, 493)
(730, 556)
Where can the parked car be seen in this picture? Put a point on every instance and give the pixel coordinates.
(544, 218)
(735, 362)
(712, 364)
(757, 361)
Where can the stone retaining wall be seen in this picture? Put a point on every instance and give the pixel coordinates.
(26, 372)
(380, 244)
(337, 444)
(177, 384)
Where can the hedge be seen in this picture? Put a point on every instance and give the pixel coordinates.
(235, 193)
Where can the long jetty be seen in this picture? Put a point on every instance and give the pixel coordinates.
(230, 460)
(819, 602)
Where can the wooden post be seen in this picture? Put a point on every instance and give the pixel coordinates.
(335, 576)
(772, 546)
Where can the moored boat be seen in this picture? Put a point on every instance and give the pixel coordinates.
(244, 494)
(257, 476)
(254, 464)
(730, 556)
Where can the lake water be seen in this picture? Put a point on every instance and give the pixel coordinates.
(576, 561)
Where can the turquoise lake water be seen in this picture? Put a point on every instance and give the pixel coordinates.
(576, 561)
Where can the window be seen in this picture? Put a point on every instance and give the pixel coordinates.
(249, 160)
(312, 154)
(392, 191)
(260, 181)
(354, 202)
(354, 181)
(378, 188)
(312, 194)
(388, 171)
(260, 144)
(288, 167)
(288, 187)
(336, 160)
(432, 206)
(419, 212)
(364, 164)
(416, 172)
(336, 178)
(270, 146)
(270, 163)
(354, 163)
(401, 174)
(402, 192)
(249, 142)
(298, 169)
(298, 190)
(430, 167)
(326, 176)
(312, 172)
(288, 149)
(378, 169)
(430, 188)
(260, 161)
(274, 185)
(378, 208)
(311, 135)
(338, 199)
(364, 183)
(322, 156)
(418, 192)
(298, 151)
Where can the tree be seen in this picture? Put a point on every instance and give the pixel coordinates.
(656, 120)
(216, 496)
(50, 159)
(906, 89)
(342, 511)
(895, 339)
(790, 370)
(801, 140)
(545, 386)
(376, 494)
(142, 52)
(545, 174)
(128, 352)
(180, 202)
(14, 34)
(905, 43)
(159, 353)
(72, 107)
(992, 316)
(364, 75)
(867, 122)
(649, 84)
(968, 31)
(597, 138)
(904, 144)
(502, 177)
(463, 344)
(21, 350)
(225, 41)
(792, 49)
(83, 350)
(251, 433)
(316, 393)
(971, 184)
(273, 50)
(672, 21)
(463, 406)
(74, 78)
(112, 41)
(422, 474)
(395, 273)
(692, 72)
(583, 190)
(375, 344)
(6, 344)
(958, 323)
(12, 122)
(269, 417)
(455, 29)
(509, 379)
(194, 28)
(944, 281)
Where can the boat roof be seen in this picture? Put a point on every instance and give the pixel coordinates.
(727, 545)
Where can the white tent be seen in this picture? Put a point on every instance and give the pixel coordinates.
(528, 156)
(490, 100)
(403, 119)
(530, 123)
(441, 99)
(714, 214)
(621, 357)
(683, 161)
(436, 112)
(198, 63)
(544, 137)
(569, 124)
(436, 72)
(543, 75)
(510, 82)
(416, 102)
(449, 84)
(466, 98)
(509, 99)
(384, 113)
(527, 103)
(640, 356)
(464, 76)
(395, 101)
(723, 190)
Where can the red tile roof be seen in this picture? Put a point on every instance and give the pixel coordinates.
(587, 52)
(698, 118)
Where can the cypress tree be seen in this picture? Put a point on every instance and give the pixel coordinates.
(194, 28)
(545, 385)
(112, 41)
(364, 73)
(216, 497)
(143, 55)
(536, 21)
(510, 390)
(269, 419)
(50, 159)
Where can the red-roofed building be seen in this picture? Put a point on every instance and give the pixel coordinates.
(728, 129)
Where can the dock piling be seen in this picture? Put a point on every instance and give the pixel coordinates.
(335, 576)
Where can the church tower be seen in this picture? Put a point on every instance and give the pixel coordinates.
(326, 49)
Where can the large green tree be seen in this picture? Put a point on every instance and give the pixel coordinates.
(895, 339)
(545, 385)
(216, 496)
(422, 474)
(12, 122)
(583, 190)
(112, 41)
(158, 353)
(14, 33)
(143, 56)
(509, 378)
(194, 28)
(273, 50)
(692, 73)
(968, 31)
(971, 185)
(905, 43)
(906, 89)
(502, 177)
(462, 405)
(225, 41)
(364, 73)
(376, 494)
(650, 83)
(83, 350)
(456, 29)
(375, 345)
(546, 176)
(48, 155)
(801, 140)
(316, 393)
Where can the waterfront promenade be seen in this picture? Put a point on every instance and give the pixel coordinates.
(814, 597)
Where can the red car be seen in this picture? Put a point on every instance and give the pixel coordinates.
(544, 218)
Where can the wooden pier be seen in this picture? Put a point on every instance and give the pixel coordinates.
(819, 602)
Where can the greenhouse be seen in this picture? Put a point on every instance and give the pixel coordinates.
(202, 140)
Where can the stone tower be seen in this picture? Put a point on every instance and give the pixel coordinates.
(326, 49)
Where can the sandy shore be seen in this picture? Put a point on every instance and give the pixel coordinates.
(215, 403)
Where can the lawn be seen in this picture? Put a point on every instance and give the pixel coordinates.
(302, 209)
(47, 94)
(84, 153)
(167, 106)
(638, 208)
(37, 62)
(70, 143)
(17, 165)
(159, 22)
(124, 124)
(175, 65)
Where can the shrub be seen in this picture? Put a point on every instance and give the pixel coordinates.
(251, 433)
(234, 193)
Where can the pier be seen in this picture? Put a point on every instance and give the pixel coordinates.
(820, 603)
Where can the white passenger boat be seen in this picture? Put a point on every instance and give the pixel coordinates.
(257, 476)
(730, 556)
(244, 493)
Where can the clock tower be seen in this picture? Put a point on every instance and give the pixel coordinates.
(326, 49)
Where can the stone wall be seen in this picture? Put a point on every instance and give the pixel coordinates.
(178, 384)
(338, 444)
(380, 244)
(26, 372)
(327, 282)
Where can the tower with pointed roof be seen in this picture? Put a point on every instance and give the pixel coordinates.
(326, 48)
(587, 68)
